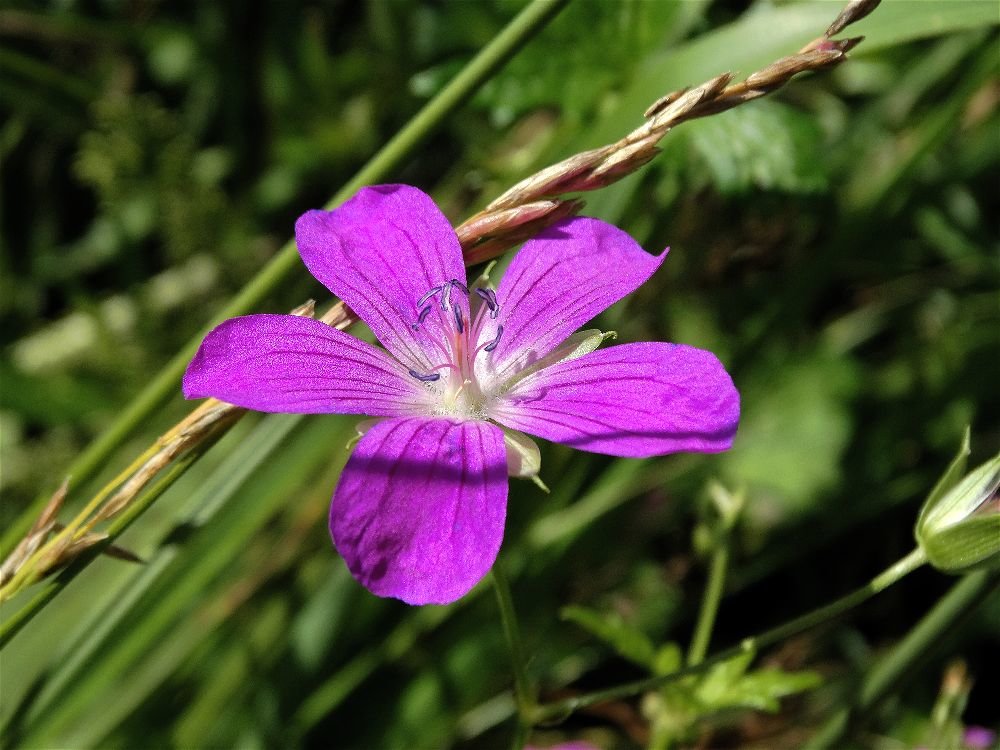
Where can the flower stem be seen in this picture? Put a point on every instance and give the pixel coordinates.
(165, 385)
(710, 601)
(523, 690)
(892, 574)
(959, 602)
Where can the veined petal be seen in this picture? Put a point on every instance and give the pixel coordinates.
(643, 399)
(420, 508)
(381, 252)
(286, 363)
(559, 280)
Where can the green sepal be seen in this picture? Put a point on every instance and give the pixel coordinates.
(959, 530)
(973, 544)
(952, 475)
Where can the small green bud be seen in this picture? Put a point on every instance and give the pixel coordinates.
(959, 530)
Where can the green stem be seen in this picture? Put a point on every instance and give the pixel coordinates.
(522, 685)
(165, 385)
(897, 571)
(958, 603)
(710, 600)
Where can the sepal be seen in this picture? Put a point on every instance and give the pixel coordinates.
(959, 527)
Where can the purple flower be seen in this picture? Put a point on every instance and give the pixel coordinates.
(419, 511)
(978, 738)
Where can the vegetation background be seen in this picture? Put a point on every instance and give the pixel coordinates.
(836, 244)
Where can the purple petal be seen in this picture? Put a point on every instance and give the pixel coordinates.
(420, 508)
(635, 400)
(559, 280)
(381, 252)
(285, 363)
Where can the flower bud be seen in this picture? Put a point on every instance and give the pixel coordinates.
(959, 530)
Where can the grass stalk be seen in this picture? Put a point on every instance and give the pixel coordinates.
(523, 690)
(886, 675)
(894, 573)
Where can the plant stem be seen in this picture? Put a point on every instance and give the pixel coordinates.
(958, 603)
(165, 385)
(710, 603)
(522, 685)
(892, 574)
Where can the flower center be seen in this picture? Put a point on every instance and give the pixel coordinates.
(452, 320)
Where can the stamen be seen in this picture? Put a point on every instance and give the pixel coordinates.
(422, 317)
(446, 297)
(460, 285)
(496, 340)
(490, 298)
(430, 293)
(459, 323)
(426, 378)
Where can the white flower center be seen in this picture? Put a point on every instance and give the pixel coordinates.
(457, 389)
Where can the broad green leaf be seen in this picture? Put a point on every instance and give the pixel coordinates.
(794, 428)
(765, 146)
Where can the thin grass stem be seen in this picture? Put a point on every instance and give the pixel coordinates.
(958, 603)
(523, 690)
(710, 601)
(894, 573)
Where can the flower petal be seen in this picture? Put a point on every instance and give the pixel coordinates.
(380, 252)
(636, 400)
(285, 363)
(420, 508)
(559, 280)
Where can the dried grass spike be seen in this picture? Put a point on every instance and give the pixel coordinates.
(657, 106)
(854, 11)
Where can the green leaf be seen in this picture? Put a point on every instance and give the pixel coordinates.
(669, 658)
(611, 628)
(719, 680)
(767, 145)
(794, 428)
(728, 686)
(761, 690)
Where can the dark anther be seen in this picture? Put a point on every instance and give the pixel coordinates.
(430, 293)
(496, 340)
(490, 298)
(426, 378)
(459, 323)
(460, 285)
(422, 317)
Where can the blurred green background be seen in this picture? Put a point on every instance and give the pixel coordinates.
(835, 244)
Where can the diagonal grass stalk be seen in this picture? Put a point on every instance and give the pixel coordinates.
(157, 619)
(164, 386)
(961, 601)
(891, 575)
